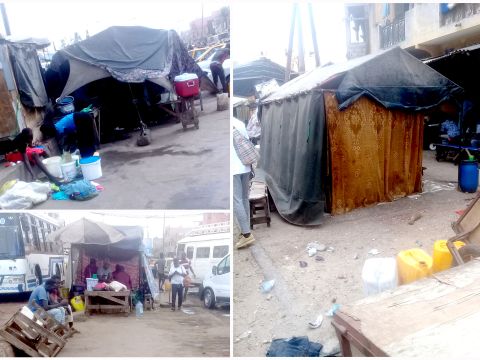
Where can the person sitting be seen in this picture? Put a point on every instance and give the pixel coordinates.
(122, 277)
(40, 297)
(91, 269)
(451, 129)
(21, 149)
(105, 273)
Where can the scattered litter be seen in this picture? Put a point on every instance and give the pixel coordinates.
(188, 311)
(319, 258)
(460, 212)
(297, 346)
(267, 286)
(245, 335)
(414, 218)
(317, 323)
(332, 310)
(419, 244)
(355, 257)
(415, 197)
(266, 341)
(374, 252)
(269, 296)
(226, 315)
(341, 277)
(330, 249)
(312, 251)
(431, 186)
(303, 264)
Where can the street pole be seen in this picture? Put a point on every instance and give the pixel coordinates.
(290, 43)
(301, 50)
(314, 35)
(5, 19)
(163, 236)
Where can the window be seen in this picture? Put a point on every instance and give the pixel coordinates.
(180, 249)
(224, 266)
(190, 252)
(220, 251)
(10, 247)
(203, 253)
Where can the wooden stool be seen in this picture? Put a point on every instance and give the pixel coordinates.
(258, 198)
(148, 302)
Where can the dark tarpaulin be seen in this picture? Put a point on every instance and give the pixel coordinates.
(293, 146)
(28, 74)
(127, 53)
(246, 76)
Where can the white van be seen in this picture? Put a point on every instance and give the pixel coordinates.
(216, 286)
(205, 248)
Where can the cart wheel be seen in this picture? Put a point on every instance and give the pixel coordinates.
(197, 123)
(432, 146)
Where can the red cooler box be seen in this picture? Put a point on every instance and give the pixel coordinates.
(187, 85)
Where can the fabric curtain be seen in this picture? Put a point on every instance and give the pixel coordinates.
(375, 153)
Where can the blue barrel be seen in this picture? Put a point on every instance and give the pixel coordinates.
(468, 176)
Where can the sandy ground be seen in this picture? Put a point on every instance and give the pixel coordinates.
(161, 332)
(178, 170)
(301, 294)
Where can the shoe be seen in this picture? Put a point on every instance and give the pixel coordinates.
(173, 309)
(245, 241)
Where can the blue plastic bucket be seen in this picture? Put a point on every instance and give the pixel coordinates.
(66, 105)
(468, 176)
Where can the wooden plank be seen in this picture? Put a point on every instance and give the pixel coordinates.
(439, 306)
(107, 307)
(18, 343)
(8, 121)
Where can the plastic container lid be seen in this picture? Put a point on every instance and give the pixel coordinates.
(185, 76)
(89, 160)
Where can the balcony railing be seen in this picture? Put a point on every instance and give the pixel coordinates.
(459, 12)
(392, 34)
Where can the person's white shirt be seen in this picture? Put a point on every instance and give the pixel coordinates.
(236, 165)
(177, 279)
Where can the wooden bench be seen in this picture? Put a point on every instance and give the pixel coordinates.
(258, 198)
(433, 317)
(110, 301)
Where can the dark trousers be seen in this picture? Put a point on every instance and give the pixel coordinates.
(218, 73)
(177, 291)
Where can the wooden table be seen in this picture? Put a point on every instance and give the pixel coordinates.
(433, 317)
(117, 301)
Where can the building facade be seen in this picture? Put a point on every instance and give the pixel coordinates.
(425, 30)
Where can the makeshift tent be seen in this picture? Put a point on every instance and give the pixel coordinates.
(118, 244)
(130, 54)
(357, 144)
(246, 76)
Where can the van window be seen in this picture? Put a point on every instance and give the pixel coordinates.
(203, 253)
(220, 251)
(190, 252)
(224, 266)
(180, 249)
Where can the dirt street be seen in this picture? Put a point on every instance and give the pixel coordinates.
(301, 294)
(178, 170)
(161, 332)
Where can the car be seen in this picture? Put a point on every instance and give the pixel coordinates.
(205, 66)
(216, 287)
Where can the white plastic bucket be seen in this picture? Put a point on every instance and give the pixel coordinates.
(91, 167)
(53, 165)
(69, 170)
(91, 282)
(379, 274)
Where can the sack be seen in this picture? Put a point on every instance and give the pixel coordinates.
(244, 148)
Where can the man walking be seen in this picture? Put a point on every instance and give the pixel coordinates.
(176, 274)
(241, 182)
(160, 265)
(216, 66)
